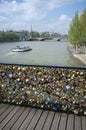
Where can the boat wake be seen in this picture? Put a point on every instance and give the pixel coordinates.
(8, 54)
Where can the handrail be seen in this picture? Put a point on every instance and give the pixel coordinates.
(38, 65)
(58, 88)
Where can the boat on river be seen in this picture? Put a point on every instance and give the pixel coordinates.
(21, 49)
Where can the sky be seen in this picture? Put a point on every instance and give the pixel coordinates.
(42, 15)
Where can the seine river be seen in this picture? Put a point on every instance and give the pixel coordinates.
(42, 53)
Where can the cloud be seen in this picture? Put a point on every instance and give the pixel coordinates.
(20, 14)
(52, 4)
(63, 17)
(14, 1)
(31, 8)
(3, 22)
(7, 7)
(55, 3)
(61, 25)
(3, 19)
(23, 12)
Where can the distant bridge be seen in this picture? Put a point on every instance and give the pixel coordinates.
(44, 39)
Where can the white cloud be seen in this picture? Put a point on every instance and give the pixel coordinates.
(7, 7)
(31, 8)
(52, 4)
(20, 15)
(14, 1)
(3, 22)
(55, 3)
(63, 17)
(3, 19)
(61, 25)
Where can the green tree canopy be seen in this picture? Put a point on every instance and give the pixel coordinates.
(9, 36)
(83, 22)
(75, 34)
(35, 34)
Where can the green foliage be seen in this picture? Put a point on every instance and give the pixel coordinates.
(75, 34)
(35, 34)
(83, 18)
(44, 35)
(9, 36)
(83, 22)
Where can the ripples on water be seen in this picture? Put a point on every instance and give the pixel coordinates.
(42, 53)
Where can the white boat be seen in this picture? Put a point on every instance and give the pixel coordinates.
(21, 49)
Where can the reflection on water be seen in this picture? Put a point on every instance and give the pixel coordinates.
(42, 53)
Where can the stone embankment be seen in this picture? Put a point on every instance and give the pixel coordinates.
(80, 57)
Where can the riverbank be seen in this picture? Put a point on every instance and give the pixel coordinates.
(80, 57)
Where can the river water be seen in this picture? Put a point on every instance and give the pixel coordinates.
(42, 53)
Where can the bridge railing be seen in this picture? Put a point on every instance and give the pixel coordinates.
(55, 88)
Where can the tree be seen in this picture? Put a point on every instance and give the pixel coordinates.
(83, 22)
(9, 36)
(75, 34)
(35, 34)
(44, 35)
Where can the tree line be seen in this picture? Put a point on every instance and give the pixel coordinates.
(77, 31)
(14, 36)
(9, 36)
(35, 34)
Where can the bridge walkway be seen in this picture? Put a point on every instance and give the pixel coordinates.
(26, 118)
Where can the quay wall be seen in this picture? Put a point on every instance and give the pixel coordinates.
(75, 54)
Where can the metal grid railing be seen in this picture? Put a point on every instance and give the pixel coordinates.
(55, 88)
